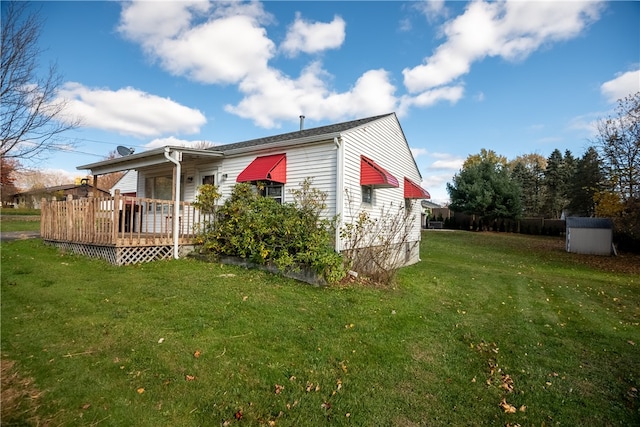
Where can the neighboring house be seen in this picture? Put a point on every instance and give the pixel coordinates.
(127, 184)
(32, 198)
(362, 165)
(592, 236)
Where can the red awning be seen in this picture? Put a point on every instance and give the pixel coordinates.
(414, 191)
(266, 168)
(373, 174)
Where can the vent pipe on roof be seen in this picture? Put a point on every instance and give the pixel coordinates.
(301, 122)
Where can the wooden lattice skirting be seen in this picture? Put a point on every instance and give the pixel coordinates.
(123, 255)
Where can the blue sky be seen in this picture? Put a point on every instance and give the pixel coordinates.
(515, 77)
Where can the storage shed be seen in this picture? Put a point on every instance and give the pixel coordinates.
(591, 236)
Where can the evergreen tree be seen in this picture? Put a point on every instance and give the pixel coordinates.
(528, 172)
(553, 181)
(484, 187)
(587, 181)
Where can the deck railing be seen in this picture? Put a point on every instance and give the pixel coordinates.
(118, 220)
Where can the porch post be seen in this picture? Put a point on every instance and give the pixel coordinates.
(176, 198)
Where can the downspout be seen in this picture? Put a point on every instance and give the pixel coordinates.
(176, 201)
(339, 190)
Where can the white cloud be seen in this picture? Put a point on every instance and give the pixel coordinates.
(309, 95)
(177, 142)
(192, 39)
(418, 152)
(430, 97)
(432, 9)
(129, 111)
(511, 30)
(624, 84)
(453, 164)
(313, 37)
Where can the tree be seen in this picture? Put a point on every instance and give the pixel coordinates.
(31, 115)
(586, 183)
(619, 142)
(557, 175)
(528, 171)
(108, 180)
(8, 168)
(484, 187)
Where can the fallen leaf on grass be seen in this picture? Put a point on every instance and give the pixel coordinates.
(238, 415)
(508, 409)
(86, 406)
(197, 353)
(631, 342)
(279, 388)
(140, 390)
(522, 408)
(189, 377)
(161, 340)
(326, 405)
(507, 383)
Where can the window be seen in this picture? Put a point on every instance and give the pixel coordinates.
(271, 190)
(208, 179)
(367, 194)
(159, 187)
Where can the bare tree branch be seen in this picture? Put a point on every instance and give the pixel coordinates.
(31, 114)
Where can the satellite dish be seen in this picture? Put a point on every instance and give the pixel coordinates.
(124, 151)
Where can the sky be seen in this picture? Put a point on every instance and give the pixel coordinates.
(516, 77)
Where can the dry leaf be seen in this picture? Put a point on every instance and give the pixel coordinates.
(238, 415)
(326, 405)
(86, 406)
(245, 298)
(190, 377)
(279, 388)
(161, 340)
(509, 409)
(140, 390)
(197, 354)
(522, 408)
(309, 386)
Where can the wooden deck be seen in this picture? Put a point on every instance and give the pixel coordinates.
(121, 229)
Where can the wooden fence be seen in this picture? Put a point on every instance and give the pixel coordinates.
(118, 221)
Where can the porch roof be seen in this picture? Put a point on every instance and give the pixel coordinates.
(152, 157)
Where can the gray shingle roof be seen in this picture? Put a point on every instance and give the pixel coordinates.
(305, 133)
(584, 222)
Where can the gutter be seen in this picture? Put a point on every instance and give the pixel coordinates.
(339, 189)
(176, 202)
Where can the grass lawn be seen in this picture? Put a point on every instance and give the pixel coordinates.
(489, 329)
(19, 219)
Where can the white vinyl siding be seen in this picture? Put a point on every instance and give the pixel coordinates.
(316, 161)
(128, 183)
(383, 142)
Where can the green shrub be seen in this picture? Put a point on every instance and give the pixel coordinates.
(288, 235)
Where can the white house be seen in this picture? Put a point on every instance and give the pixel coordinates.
(127, 184)
(362, 165)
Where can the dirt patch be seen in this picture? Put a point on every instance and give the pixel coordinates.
(18, 398)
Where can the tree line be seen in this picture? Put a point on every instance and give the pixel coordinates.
(603, 182)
